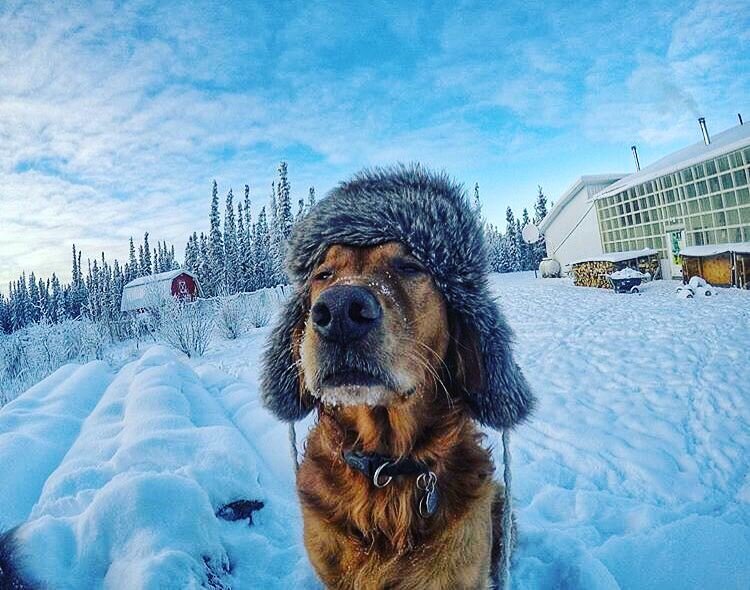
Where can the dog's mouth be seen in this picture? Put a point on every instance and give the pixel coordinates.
(352, 378)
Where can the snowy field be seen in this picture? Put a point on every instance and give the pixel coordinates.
(632, 474)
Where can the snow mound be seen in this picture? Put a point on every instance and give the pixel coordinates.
(132, 504)
(627, 273)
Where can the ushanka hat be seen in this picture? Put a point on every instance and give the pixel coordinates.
(429, 214)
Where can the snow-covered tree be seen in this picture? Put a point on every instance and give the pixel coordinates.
(539, 249)
(192, 253)
(133, 270)
(215, 276)
(147, 265)
(262, 250)
(231, 248)
(510, 261)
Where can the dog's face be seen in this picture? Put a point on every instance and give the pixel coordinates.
(377, 330)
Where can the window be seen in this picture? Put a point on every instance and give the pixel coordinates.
(698, 238)
(734, 234)
(710, 167)
(702, 187)
(716, 202)
(721, 236)
(726, 181)
(708, 220)
(720, 219)
(747, 155)
(705, 204)
(740, 178)
(690, 190)
(733, 217)
(693, 206)
(687, 176)
(735, 159)
(698, 171)
(729, 199)
(713, 184)
(743, 196)
(723, 163)
(745, 215)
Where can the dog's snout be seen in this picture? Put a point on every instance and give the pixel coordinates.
(346, 313)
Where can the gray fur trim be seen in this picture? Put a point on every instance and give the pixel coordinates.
(280, 387)
(428, 213)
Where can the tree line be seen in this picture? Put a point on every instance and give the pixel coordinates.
(237, 253)
(508, 250)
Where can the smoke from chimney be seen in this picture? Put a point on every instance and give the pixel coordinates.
(635, 157)
(704, 130)
(739, 116)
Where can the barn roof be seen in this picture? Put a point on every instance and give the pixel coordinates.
(140, 293)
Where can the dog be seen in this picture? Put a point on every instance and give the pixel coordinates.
(393, 340)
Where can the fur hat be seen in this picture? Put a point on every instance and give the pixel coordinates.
(429, 214)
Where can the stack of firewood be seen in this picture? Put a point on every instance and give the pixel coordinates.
(648, 265)
(593, 274)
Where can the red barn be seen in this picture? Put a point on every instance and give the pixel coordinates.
(147, 292)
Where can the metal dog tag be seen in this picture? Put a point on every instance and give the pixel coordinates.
(428, 503)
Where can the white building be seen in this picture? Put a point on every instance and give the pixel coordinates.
(571, 229)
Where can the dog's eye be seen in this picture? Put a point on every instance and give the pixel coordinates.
(323, 275)
(409, 267)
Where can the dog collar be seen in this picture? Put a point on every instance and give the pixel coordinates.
(381, 470)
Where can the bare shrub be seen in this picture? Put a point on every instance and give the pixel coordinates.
(230, 317)
(258, 310)
(186, 326)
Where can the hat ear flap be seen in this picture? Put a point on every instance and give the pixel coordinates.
(492, 384)
(282, 381)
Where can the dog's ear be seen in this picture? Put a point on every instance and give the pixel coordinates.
(485, 373)
(282, 382)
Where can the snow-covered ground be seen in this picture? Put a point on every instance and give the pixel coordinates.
(632, 474)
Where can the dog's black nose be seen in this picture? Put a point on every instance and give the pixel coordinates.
(346, 313)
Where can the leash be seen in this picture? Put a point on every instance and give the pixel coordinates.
(507, 513)
(293, 443)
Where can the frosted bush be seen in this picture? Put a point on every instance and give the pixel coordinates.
(230, 317)
(186, 326)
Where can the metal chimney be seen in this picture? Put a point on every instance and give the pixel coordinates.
(635, 157)
(739, 116)
(704, 130)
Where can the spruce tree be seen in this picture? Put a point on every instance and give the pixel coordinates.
(204, 264)
(231, 254)
(539, 249)
(215, 275)
(263, 254)
(510, 259)
(147, 266)
(133, 271)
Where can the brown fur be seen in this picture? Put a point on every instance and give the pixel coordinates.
(361, 537)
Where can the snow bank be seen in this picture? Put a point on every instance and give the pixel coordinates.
(132, 503)
(38, 428)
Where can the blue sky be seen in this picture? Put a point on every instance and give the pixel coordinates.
(116, 116)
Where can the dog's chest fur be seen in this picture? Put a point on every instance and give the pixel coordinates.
(359, 536)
